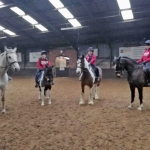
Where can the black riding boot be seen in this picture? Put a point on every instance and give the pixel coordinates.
(9, 78)
(36, 81)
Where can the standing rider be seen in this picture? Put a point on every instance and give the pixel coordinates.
(145, 59)
(91, 58)
(41, 64)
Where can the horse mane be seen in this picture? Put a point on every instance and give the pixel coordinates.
(129, 59)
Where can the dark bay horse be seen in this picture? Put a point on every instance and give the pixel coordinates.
(45, 84)
(136, 76)
(88, 79)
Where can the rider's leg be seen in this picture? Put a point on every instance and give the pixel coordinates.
(36, 79)
(147, 65)
(96, 71)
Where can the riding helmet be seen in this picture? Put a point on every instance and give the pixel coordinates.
(147, 42)
(91, 49)
(43, 52)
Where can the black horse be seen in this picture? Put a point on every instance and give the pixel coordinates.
(45, 84)
(136, 76)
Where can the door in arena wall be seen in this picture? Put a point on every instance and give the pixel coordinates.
(62, 66)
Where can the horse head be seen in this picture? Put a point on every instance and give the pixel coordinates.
(48, 73)
(80, 64)
(119, 66)
(11, 58)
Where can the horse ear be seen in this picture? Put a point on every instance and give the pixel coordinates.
(15, 49)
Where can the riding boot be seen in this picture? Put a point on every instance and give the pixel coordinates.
(36, 81)
(9, 78)
(37, 84)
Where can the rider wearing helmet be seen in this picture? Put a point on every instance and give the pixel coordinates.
(91, 58)
(145, 59)
(41, 64)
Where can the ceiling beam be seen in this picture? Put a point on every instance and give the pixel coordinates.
(43, 21)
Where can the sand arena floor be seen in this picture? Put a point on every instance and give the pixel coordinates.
(64, 125)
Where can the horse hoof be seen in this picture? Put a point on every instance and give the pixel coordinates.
(96, 98)
(91, 103)
(81, 103)
(4, 111)
(139, 108)
(49, 103)
(42, 104)
(130, 106)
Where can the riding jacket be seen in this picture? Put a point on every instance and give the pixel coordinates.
(91, 59)
(145, 56)
(41, 63)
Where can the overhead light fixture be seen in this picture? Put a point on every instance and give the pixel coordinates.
(30, 19)
(18, 11)
(1, 3)
(127, 14)
(66, 13)
(74, 22)
(9, 32)
(57, 3)
(40, 27)
(124, 4)
(2, 28)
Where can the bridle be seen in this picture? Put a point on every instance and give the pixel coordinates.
(81, 66)
(9, 64)
(120, 71)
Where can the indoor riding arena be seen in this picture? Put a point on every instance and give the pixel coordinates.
(72, 39)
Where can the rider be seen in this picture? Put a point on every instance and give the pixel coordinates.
(91, 58)
(145, 59)
(41, 63)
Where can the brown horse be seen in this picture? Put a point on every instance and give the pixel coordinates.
(88, 78)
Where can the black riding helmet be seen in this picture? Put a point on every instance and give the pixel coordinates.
(43, 52)
(90, 49)
(147, 42)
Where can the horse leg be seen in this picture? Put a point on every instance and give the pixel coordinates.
(42, 96)
(3, 101)
(140, 90)
(93, 91)
(49, 96)
(91, 97)
(96, 91)
(132, 96)
(82, 102)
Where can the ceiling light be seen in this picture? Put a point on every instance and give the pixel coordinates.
(9, 32)
(18, 11)
(127, 14)
(66, 13)
(57, 3)
(2, 28)
(124, 4)
(40, 27)
(1, 3)
(74, 22)
(30, 19)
